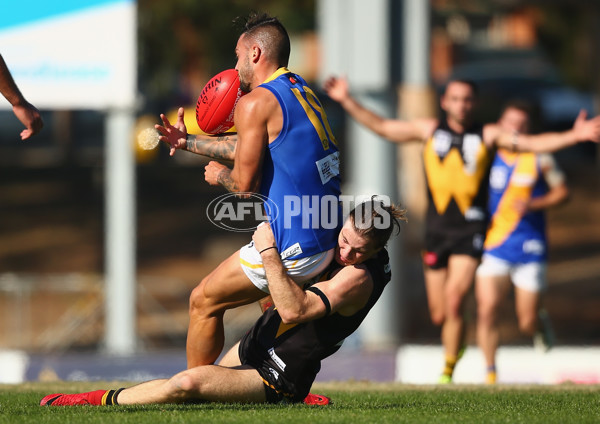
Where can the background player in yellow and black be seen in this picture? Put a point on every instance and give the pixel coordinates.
(457, 155)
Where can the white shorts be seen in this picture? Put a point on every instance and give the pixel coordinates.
(300, 270)
(529, 276)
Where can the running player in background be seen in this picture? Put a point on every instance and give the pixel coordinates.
(457, 154)
(283, 147)
(521, 187)
(279, 358)
(23, 110)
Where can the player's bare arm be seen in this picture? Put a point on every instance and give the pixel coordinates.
(395, 130)
(216, 146)
(252, 118)
(558, 192)
(23, 110)
(583, 130)
(213, 146)
(347, 291)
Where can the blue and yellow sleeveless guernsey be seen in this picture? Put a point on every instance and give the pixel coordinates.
(300, 172)
(515, 177)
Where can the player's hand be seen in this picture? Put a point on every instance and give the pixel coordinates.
(521, 206)
(337, 88)
(212, 171)
(263, 237)
(587, 129)
(174, 135)
(30, 117)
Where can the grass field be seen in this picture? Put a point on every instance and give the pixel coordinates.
(354, 402)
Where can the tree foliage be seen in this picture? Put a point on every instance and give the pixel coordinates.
(183, 36)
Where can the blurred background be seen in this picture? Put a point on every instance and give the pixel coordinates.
(53, 229)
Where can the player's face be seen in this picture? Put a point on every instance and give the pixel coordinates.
(352, 248)
(245, 71)
(514, 120)
(458, 102)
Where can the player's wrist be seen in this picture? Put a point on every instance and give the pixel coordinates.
(268, 250)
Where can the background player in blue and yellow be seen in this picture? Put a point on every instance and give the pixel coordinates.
(521, 186)
(284, 150)
(457, 155)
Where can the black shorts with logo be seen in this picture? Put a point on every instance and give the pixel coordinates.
(439, 247)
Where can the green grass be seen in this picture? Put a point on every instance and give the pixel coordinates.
(355, 402)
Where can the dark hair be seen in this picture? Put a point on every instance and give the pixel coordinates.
(270, 34)
(519, 104)
(468, 82)
(376, 221)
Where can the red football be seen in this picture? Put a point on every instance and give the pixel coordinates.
(216, 103)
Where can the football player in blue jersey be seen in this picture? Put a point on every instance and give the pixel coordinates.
(285, 151)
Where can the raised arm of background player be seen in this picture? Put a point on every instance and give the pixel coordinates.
(23, 110)
(220, 147)
(400, 131)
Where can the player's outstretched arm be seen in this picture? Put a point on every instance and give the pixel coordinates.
(394, 130)
(218, 147)
(23, 110)
(583, 130)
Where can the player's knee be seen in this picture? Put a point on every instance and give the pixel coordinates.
(486, 312)
(437, 317)
(183, 386)
(200, 301)
(527, 324)
(454, 305)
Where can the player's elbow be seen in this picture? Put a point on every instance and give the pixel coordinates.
(563, 195)
(293, 315)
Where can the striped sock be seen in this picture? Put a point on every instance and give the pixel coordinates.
(449, 365)
(491, 375)
(110, 397)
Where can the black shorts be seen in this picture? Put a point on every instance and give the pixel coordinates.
(439, 247)
(277, 387)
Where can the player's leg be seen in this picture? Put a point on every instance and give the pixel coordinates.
(461, 272)
(231, 358)
(490, 291)
(530, 282)
(210, 382)
(527, 305)
(225, 288)
(435, 279)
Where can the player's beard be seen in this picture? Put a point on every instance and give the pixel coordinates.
(245, 74)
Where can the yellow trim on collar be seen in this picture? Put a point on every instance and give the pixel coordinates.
(277, 73)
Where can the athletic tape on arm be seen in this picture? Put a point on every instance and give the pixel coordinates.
(323, 298)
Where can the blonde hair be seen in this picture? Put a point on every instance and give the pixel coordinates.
(376, 221)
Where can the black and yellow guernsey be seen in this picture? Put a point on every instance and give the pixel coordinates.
(288, 357)
(456, 169)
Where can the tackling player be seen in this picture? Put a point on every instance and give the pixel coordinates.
(280, 356)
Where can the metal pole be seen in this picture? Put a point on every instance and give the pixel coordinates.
(356, 37)
(120, 301)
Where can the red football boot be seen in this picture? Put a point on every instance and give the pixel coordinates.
(87, 398)
(313, 399)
